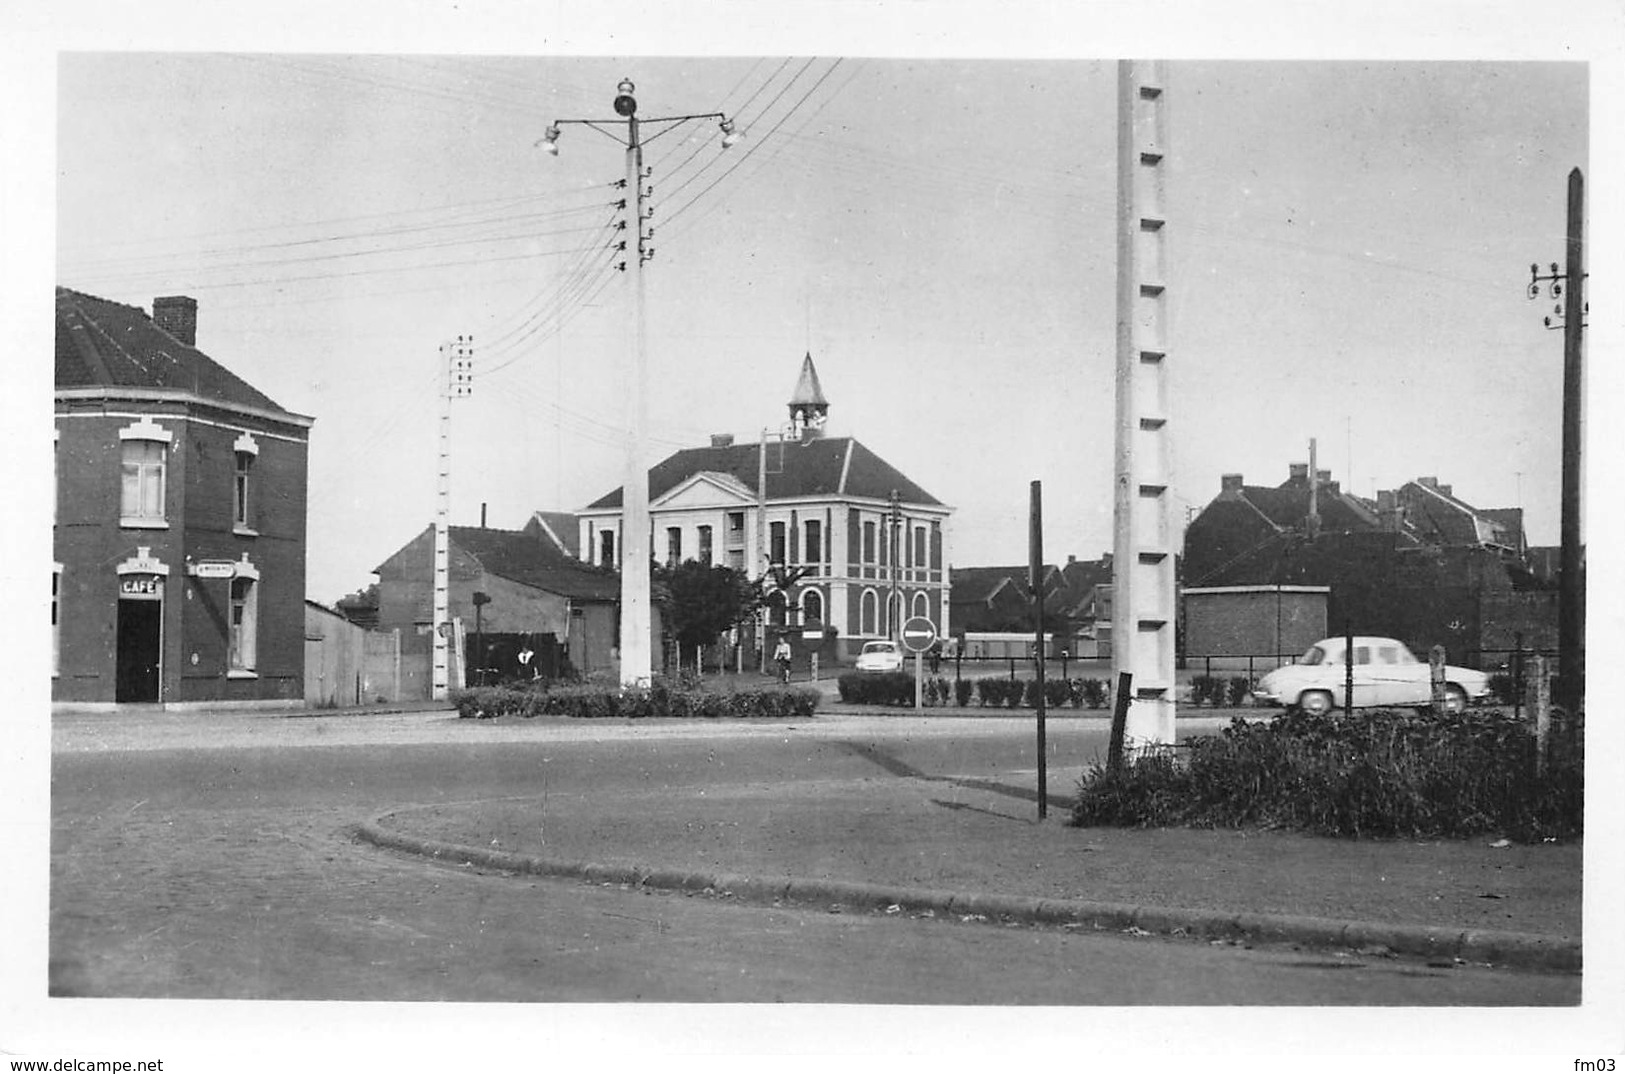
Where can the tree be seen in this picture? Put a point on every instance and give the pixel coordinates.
(701, 601)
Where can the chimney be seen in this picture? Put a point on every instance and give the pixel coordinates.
(1387, 511)
(177, 315)
(1323, 477)
(1428, 482)
(1297, 474)
(1446, 490)
(482, 516)
(722, 439)
(1230, 484)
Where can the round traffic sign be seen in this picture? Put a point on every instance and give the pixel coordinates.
(918, 634)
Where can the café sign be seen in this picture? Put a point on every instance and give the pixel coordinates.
(141, 587)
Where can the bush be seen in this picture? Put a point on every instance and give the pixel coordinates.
(1377, 773)
(894, 688)
(661, 700)
(1501, 687)
(963, 688)
(1093, 692)
(1240, 687)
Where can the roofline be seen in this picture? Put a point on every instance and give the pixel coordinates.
(168, 395)
(1257, 589)
(824, 498)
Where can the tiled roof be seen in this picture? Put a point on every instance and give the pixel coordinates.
(562, 526)
(1288, 506)
(104, 344)
(531, 559)
(974, 585)
(818, 466)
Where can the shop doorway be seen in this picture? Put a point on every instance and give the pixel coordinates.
(140, 625)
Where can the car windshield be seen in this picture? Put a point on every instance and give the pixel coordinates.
(878, 647)
(1315, 655)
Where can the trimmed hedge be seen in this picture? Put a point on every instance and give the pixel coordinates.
(661, 700)
(1378, 773)
(896, 689)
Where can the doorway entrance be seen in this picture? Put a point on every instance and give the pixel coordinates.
(140, 627)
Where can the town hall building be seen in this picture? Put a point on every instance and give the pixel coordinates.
(859, 545)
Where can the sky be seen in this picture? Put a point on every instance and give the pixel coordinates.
(1350, 243)
(926, 205)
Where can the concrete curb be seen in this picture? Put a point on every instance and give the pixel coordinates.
(1517, 950)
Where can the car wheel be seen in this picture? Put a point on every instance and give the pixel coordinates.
(1315, 702)
(1455, 699)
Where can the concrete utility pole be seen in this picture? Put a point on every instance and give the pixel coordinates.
(636, 617)
(1142, 557)
(894, 613)
(458, 358)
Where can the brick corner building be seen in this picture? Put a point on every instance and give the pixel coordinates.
(179, 528)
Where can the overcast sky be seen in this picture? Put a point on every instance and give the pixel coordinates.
(1350, 244)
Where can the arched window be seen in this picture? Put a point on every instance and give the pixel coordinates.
(812, 607)
(776, 605)
(869, 612)
(922, 605)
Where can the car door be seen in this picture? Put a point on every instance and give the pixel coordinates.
(1367, 681)
(1398, 678)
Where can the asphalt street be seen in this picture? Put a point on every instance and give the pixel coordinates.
(212, 857)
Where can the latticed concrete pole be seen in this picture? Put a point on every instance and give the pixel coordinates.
(458, 360)
(1143, 597)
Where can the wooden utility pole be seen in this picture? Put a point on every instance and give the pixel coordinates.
(1571, 589)
(1035, 583)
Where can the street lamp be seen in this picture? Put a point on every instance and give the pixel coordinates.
(636, 657)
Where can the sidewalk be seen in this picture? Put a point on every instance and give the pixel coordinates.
(929, 843)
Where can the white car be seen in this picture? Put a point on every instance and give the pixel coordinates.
(1385, 674)
(880, 656)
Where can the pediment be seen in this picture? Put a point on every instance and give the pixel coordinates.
(706, 489)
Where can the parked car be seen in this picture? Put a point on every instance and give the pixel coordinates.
(880, 656)
(1386, 673)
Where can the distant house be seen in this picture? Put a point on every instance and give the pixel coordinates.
(1418, 563)
(538, 596)
(820, 508)
(1077, 600)
(179, 536)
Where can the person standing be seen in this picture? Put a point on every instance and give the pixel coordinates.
(781, 659)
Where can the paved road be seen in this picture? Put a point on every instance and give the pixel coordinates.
(219, 866)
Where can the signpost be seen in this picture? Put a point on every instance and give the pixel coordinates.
(812, 638)
(919, 634)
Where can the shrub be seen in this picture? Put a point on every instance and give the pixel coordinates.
(1093, 692)
(1207, 689)
(894, 688)
(1501, 687)
(661, 700)
(963, 688)
(1377, 773)
(1240, 687)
